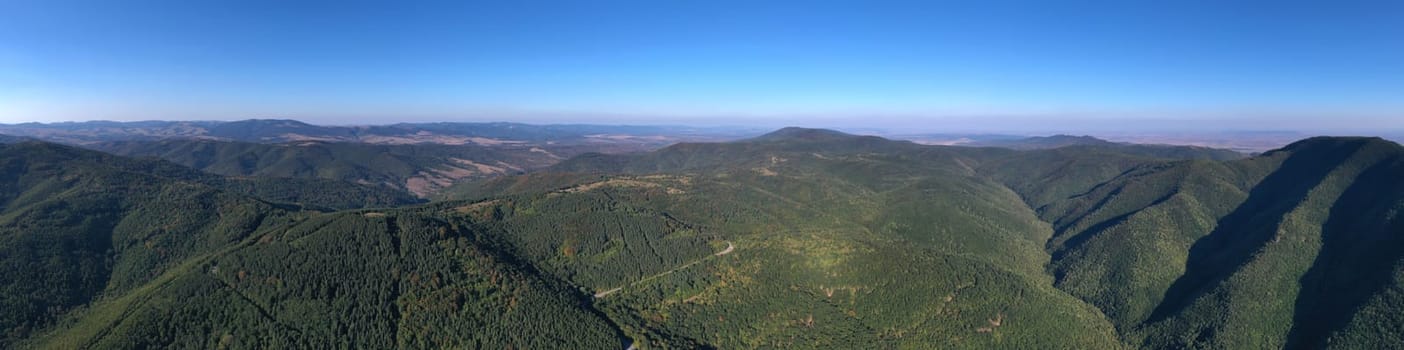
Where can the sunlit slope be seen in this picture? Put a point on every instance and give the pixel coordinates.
(1155, 243)
(840, 241)
(78, 226)
(802, 238)
(420, 169)
(392, 279)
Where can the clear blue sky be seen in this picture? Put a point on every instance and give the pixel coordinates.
(1273, 62)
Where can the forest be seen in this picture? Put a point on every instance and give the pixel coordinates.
(800, 238)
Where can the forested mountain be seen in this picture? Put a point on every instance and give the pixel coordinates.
(283, 130)
(76, 225)
(801, 238)
(111, 252)
(1061, 141)
(1299, 247)
(321, 194)
(1042, 142)
(12, 139)
(417, 169)
(1158, 245)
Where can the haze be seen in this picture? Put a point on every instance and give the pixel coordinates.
(899, 66)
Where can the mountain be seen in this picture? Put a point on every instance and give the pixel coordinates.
(801, 238)
(600, 137)
(321, 194)
(275, 130)
(110, 252)
(76, 225)
(1171, 252)
(13, 139)
(792, 134)
(1044, 142)
(420, 159)
(1060, 141)
(1288, 249)
(417, 169)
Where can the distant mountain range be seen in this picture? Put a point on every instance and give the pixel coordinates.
(421, 159)
(420, 169)
(798, 238)
(860, 241)
(282, 130)
(1239, 141)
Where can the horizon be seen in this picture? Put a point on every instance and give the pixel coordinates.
(1009, 67)
(1246, 141)
(702, 174)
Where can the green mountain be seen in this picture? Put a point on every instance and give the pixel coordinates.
(616, 137)
(801, 238)
(1061, 141)
(77, 225)
(320, 194)
(1293, 248)
(417, 169)
(1146, 238)
(1043, 142)
(110, 252)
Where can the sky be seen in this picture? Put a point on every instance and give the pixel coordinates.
(915, 64)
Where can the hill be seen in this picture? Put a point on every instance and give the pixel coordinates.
(76, 225)
(1159, 245)
(599, 137)
(321, 194)
(110, 252)
(801, 238)
(417, 169)
(1255, 248)
(1043, 142)
(1149, 150)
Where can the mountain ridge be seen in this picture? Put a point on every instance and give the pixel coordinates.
(831, 240)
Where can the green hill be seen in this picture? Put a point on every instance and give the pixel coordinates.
(110, 252)
(1233, 254)
(1124, 222)
(801, 238)
(611, 137)
(417, 169)
(78, 225)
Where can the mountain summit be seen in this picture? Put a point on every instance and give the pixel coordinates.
(794, 133)
(800, 238)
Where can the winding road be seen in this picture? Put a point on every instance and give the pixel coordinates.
(729, 248)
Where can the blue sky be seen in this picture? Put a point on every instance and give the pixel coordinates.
(1226, 64)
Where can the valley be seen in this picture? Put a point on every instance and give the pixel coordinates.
(648, 175)
(799, 238)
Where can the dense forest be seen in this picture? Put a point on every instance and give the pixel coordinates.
(801, 238)
(420, 169)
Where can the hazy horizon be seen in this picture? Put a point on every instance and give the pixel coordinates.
(1036, 67)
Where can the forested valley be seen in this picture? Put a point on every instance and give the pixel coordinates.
(800, 238)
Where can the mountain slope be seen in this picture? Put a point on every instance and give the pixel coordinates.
(1182, 253)
(598, 137)
(826, 253)
(109, 252)
(1044, 142)
(417, 169)
(801, 238)
(1130, 231)
(368, 279)
(76, 225)
(1089, 142)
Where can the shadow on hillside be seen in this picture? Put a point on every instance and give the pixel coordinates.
(1255, 223)
(1081, 238)
(1360, 245)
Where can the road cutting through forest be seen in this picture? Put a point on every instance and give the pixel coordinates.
(729, 248)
